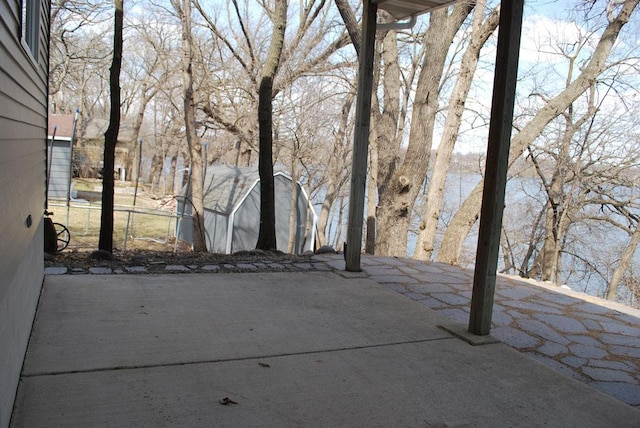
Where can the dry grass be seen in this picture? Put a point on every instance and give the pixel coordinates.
(151, 229)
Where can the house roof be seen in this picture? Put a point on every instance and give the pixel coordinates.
(225, 186)
(93, 128)
(63, 124)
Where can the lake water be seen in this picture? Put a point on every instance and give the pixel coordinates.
(594, 247)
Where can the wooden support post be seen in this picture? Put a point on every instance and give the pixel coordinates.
(484, 280)
(361, 137)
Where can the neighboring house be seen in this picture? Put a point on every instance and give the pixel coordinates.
(59, 153)
(88, 152)
(232, 211)
(24, 63)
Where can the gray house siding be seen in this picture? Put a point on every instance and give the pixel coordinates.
(23, 128)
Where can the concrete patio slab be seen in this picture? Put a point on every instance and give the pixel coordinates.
(98, 322)
(291, 349)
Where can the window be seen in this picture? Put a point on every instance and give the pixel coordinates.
(31, 26)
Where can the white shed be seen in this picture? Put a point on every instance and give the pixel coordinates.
(232, 211)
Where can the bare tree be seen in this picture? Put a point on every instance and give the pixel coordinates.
(75, 48)
(336, 175)
(267, 232)
(229, 95)
(397, 199)
(111, 135)
(468, 213)
(149, 70)
(481, 31)
(195, 149)
(401, 175)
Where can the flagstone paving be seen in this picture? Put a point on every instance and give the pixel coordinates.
(589, 339)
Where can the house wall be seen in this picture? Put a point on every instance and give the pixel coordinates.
(23, 129)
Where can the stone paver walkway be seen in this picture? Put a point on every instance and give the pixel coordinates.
(589, 339)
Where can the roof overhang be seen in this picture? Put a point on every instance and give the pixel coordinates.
(403, 9)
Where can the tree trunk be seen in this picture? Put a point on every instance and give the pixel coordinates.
(398, 198)
(623, 265)
(336, 176)
(267, 232)
(351, 23)
(550, 251)
(325, 209)
(171, 179)
(340, 226)
(156, 172)
(372, 190)
(293, 214)
(468, 213)
(195, 149)
(131, 162)
(459, 228)
(384, 131)
(435, 194)
(111, 135)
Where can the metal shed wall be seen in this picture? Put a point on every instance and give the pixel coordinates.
(237, 191)
(216, 225)
(246, 221)
(59, 175)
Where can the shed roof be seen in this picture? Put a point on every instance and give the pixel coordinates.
(63, 124)
(94, 128)
(226, 185)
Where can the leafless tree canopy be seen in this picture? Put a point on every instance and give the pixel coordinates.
(574, 158)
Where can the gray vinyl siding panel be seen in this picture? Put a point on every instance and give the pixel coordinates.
(23, 122)
(17, 65)
(23, 128)
(9, 16)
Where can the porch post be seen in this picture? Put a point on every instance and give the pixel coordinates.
(361, 137)
(504, 87)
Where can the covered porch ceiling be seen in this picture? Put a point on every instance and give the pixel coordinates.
(403, 9)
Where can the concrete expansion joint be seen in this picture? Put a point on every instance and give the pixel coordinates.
(260, 359)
